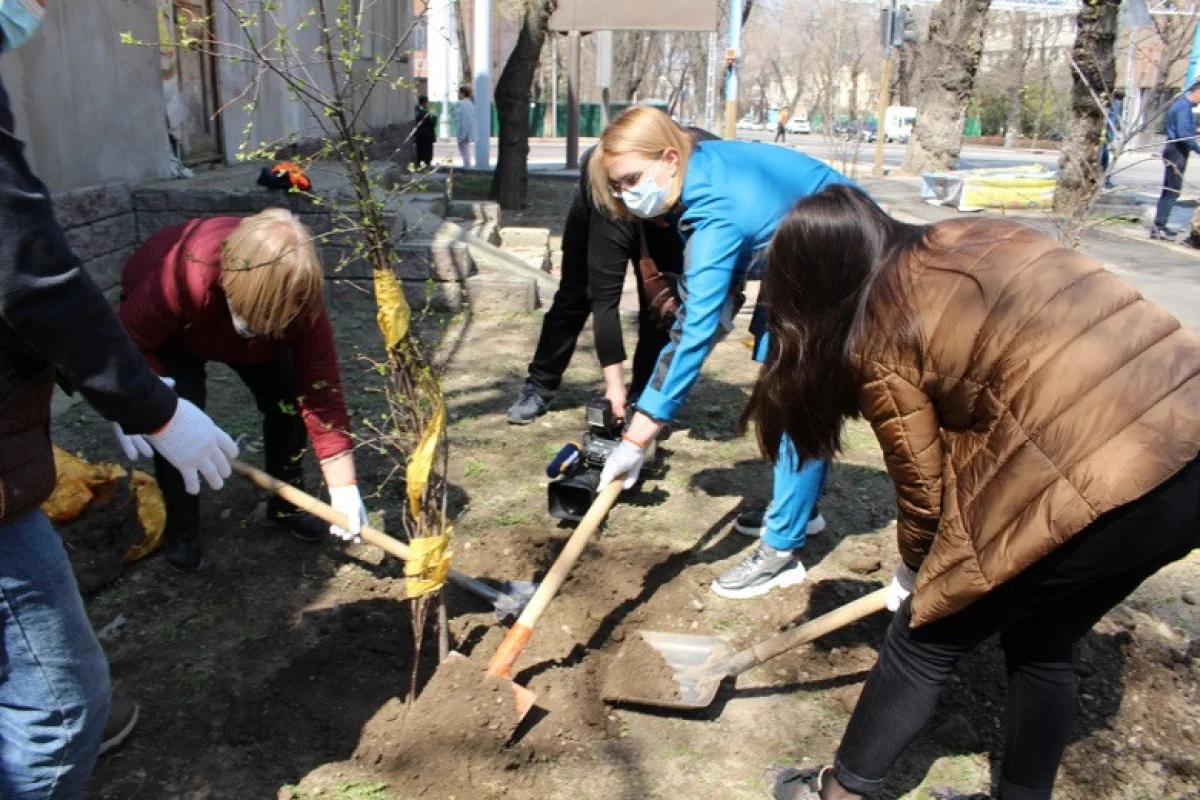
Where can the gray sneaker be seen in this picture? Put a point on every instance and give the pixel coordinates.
(753, 523)
(758, 573)
(529, 406)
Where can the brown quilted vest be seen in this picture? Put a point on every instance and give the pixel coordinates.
(1045, 391)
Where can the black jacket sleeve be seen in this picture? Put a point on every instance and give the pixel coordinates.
(55, 308)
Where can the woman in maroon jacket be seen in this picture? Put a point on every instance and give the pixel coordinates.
(247, 293)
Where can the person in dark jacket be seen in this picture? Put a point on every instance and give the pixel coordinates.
(1181, 140)
(248, 293)
(56, 324)
(425, 134)
(597, 250)
(1040, 420)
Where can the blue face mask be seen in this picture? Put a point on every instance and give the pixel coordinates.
(18, 21)
(646, 200)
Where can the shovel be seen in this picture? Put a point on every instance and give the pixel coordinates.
(700, 663)
(518, 635)
(508, 601)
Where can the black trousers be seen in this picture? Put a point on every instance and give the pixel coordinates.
(273, 386)
(1174, 164)
(424, 152)
(564, 322)
(1040, 615)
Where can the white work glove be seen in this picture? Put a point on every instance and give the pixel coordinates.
(901, 588)
(346, 500)
(625, 459)
(133, 446)
(195, 446)
(136, 445)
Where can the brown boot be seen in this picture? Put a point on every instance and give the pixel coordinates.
(122, 719)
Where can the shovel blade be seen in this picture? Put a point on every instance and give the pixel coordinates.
(688, 656)
(513, 597)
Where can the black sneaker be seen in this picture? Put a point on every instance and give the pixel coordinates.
(758, 573)
(122, 719)
(529, 406)
(301, 524)
(184, 553)
(1163, 232)
(753, 522)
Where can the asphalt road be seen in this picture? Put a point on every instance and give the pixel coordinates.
(1139, 172)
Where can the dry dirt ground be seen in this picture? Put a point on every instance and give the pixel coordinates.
(275, 671)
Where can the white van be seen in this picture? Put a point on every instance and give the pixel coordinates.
(898, 123)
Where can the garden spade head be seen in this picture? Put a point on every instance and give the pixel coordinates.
(698, 664)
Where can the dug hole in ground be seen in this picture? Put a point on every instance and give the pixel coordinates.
(280, 669)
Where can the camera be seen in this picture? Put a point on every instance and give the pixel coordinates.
(575, 472)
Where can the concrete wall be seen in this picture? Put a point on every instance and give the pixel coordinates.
(90, 109)
(267, 115)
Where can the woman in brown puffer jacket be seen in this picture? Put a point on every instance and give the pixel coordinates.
(1041, 422)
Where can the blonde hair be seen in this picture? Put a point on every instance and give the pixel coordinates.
(271, 272)
(648, 132)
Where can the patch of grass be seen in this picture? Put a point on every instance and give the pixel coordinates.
(511, 518)
(474, 468)
(350, 790)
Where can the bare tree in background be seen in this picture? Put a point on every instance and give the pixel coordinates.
(946, 65)
(512, 95)
(1094, 71)
(1017, 57)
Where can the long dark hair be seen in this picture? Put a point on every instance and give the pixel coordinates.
(834, 271)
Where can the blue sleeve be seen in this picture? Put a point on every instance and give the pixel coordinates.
(710, 262)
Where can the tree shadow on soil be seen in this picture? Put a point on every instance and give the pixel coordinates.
(857, 500)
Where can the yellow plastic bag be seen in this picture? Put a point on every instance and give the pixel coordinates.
(77, 482)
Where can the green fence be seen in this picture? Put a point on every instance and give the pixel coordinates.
(591, 120)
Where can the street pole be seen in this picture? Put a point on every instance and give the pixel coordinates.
(885, 85)
(553, 85)
(733, 58)
(572, 99)
(483, 82)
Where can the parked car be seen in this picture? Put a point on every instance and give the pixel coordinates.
(869, 130)
(747, 124)
(798, 126)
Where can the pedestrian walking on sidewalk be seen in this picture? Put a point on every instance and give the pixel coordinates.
(781, 129)
(1042, 435)
(464, 124)
(1181, 141)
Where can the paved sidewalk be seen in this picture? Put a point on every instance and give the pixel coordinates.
(1167, 273)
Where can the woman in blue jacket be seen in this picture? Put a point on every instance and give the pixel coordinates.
(726, 199)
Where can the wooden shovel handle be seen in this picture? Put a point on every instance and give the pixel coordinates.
(306, 502)
(813, 629)
(518, 635)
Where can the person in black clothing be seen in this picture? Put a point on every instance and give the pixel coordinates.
(596, 251)
(56, 325)
(425, 133)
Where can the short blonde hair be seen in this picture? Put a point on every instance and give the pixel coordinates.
(643, 130)
(271, 272)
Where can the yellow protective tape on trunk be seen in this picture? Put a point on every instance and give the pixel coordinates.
(393, 315)
(420, 464)
(152, 513)
(428, 564)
